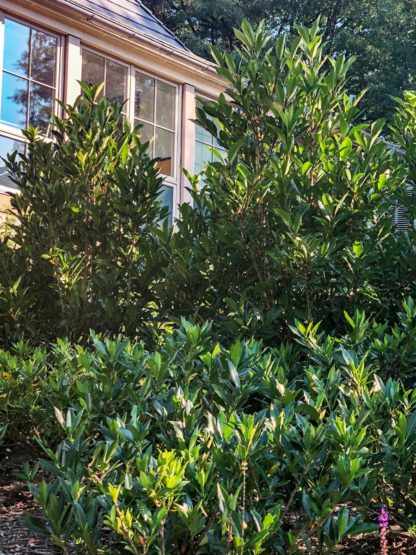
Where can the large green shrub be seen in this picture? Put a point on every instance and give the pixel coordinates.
(80, 251)
(293, 221)
(196, 448)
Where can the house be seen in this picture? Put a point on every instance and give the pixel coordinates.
(47, 46)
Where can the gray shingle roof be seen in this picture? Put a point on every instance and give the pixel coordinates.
(134, 14)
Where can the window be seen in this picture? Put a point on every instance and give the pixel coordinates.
(29, 79)
(155, 110)
(401, 215)
(204, 143)
(29, 76)
(154, 106)
(97, 69)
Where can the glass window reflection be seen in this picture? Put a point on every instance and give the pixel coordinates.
(145, 97)
(43, 58)
(16, 48)
(14, 97)
(41, 103)
(204, 143)
(116, 81)
(8, 146)
(97, 69)
(29, 76)
(166, 199)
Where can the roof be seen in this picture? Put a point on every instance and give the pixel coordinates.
(132, 14)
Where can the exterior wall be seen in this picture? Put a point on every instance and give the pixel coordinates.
(76, 31)
(4, 203)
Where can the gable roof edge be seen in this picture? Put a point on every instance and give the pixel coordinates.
(130, 32)
(171, 33)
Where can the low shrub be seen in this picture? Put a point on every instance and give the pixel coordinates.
(198, 448)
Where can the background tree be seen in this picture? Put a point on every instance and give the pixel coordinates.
(381, 33)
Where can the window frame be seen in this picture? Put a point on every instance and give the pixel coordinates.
(10, 131)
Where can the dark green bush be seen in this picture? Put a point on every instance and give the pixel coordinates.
(293, 221)
(195, 448)
(215, 441)
(81, 251)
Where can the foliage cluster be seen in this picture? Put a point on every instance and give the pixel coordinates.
(195, 448)
(254, 433)
(292, 220)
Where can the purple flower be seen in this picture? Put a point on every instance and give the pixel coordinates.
(383, 518)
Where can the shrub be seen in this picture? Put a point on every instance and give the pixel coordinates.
(197, 448)
(291, 222)
(81, 251)
(293, 218)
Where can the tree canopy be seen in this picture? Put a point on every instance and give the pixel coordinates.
(380, 33)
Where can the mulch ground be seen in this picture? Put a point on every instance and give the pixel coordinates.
(15, 500)
(399, 544)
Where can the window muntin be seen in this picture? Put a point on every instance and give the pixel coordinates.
(29, 76)
(155, 109)
(97, 69)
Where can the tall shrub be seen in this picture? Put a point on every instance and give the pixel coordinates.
(80, 251)
(292, 220)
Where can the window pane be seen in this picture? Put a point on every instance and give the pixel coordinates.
(14, 100)
(166, 199)
(16, 47)
(203, 135)
(165, 109)
(41, 103)
(92, 68)
(147, 133)
(7, 146)
(144, 105)
(43, 60)
(202, 156)
(164, 145)
(116, 81)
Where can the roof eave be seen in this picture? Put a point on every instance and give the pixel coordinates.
(184, 56)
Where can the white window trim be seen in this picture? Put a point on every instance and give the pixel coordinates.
(73, 69)
(188, 140)
(9, 131)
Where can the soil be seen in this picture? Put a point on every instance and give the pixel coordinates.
(16, 500)
(399, 544)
